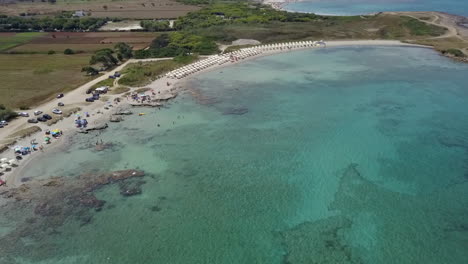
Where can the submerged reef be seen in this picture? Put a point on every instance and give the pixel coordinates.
(319, 242)
(38, 209)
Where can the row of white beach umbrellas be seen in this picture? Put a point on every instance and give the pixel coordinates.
(239, 54)
(197, 66)
(6, 164)
(292, 45)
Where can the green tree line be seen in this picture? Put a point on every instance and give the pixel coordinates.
(8, 23)
(176, 44)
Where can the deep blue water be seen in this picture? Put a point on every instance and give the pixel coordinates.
(357, 7)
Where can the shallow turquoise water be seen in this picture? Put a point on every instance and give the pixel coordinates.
(345, 155)
(358, 7)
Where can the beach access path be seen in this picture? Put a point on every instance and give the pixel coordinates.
(75, 97)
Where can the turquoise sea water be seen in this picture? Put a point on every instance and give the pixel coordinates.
(337, 155)
(358, 7)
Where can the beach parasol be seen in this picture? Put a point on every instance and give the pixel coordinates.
(4, 160)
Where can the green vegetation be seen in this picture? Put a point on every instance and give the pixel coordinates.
(6, 114)
(454, 52)
(50, 23)
(238, 13)
(150, 25)
(104, 57)
(178, 43)
(90, 70)
(28, 80)
(107, 82)
(139, 74)
(7, 42)
(68, 52)
(124, 51)
(195, 2)
(419, 28)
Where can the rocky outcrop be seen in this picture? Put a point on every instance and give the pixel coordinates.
(123, 112)
(94, 128)
(146, 104)
(115, 119)
(164, 97)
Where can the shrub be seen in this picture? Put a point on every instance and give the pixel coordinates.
(7, 114)
(24, 107)
(68, 52)
(50, 52)
(455, 52)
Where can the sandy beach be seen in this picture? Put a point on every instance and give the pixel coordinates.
(100, 115)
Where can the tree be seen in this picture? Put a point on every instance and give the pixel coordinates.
(6, 114)
(68, 52)
(160, 42)
(124, 51)
(90, 70)
(104, 57)
(50, 52)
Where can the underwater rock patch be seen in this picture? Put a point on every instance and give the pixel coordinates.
(40, 207)
(319, 242)
(236, 111)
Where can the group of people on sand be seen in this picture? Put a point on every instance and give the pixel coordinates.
(141, 98)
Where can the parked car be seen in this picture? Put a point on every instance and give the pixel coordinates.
(111, 77)
(32, 120)
(116, 74)
(1, 126)
(90, 99)
(47, 117)
(56, 111)
(3, 122)
(41, 119)
(89, 91)
(60, 95)
(23, 114)
(60, 104)
(37, 112)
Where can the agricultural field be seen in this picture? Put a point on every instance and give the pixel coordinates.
(139, 9)
(10, 40)
(30, 75)
(29, 79)
(86, 42)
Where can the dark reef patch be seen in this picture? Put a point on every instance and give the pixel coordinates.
(236, 111)
(41, 207)
(321, 242)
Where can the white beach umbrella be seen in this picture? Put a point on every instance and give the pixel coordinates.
(13, 162)
(3, 160)
(6, 166)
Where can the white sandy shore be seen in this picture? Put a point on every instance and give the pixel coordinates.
(77, 98)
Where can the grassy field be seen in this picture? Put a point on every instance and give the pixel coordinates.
(86, 42)
(107, 82)
(138, 9)
(10, 40)
(30, 79)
